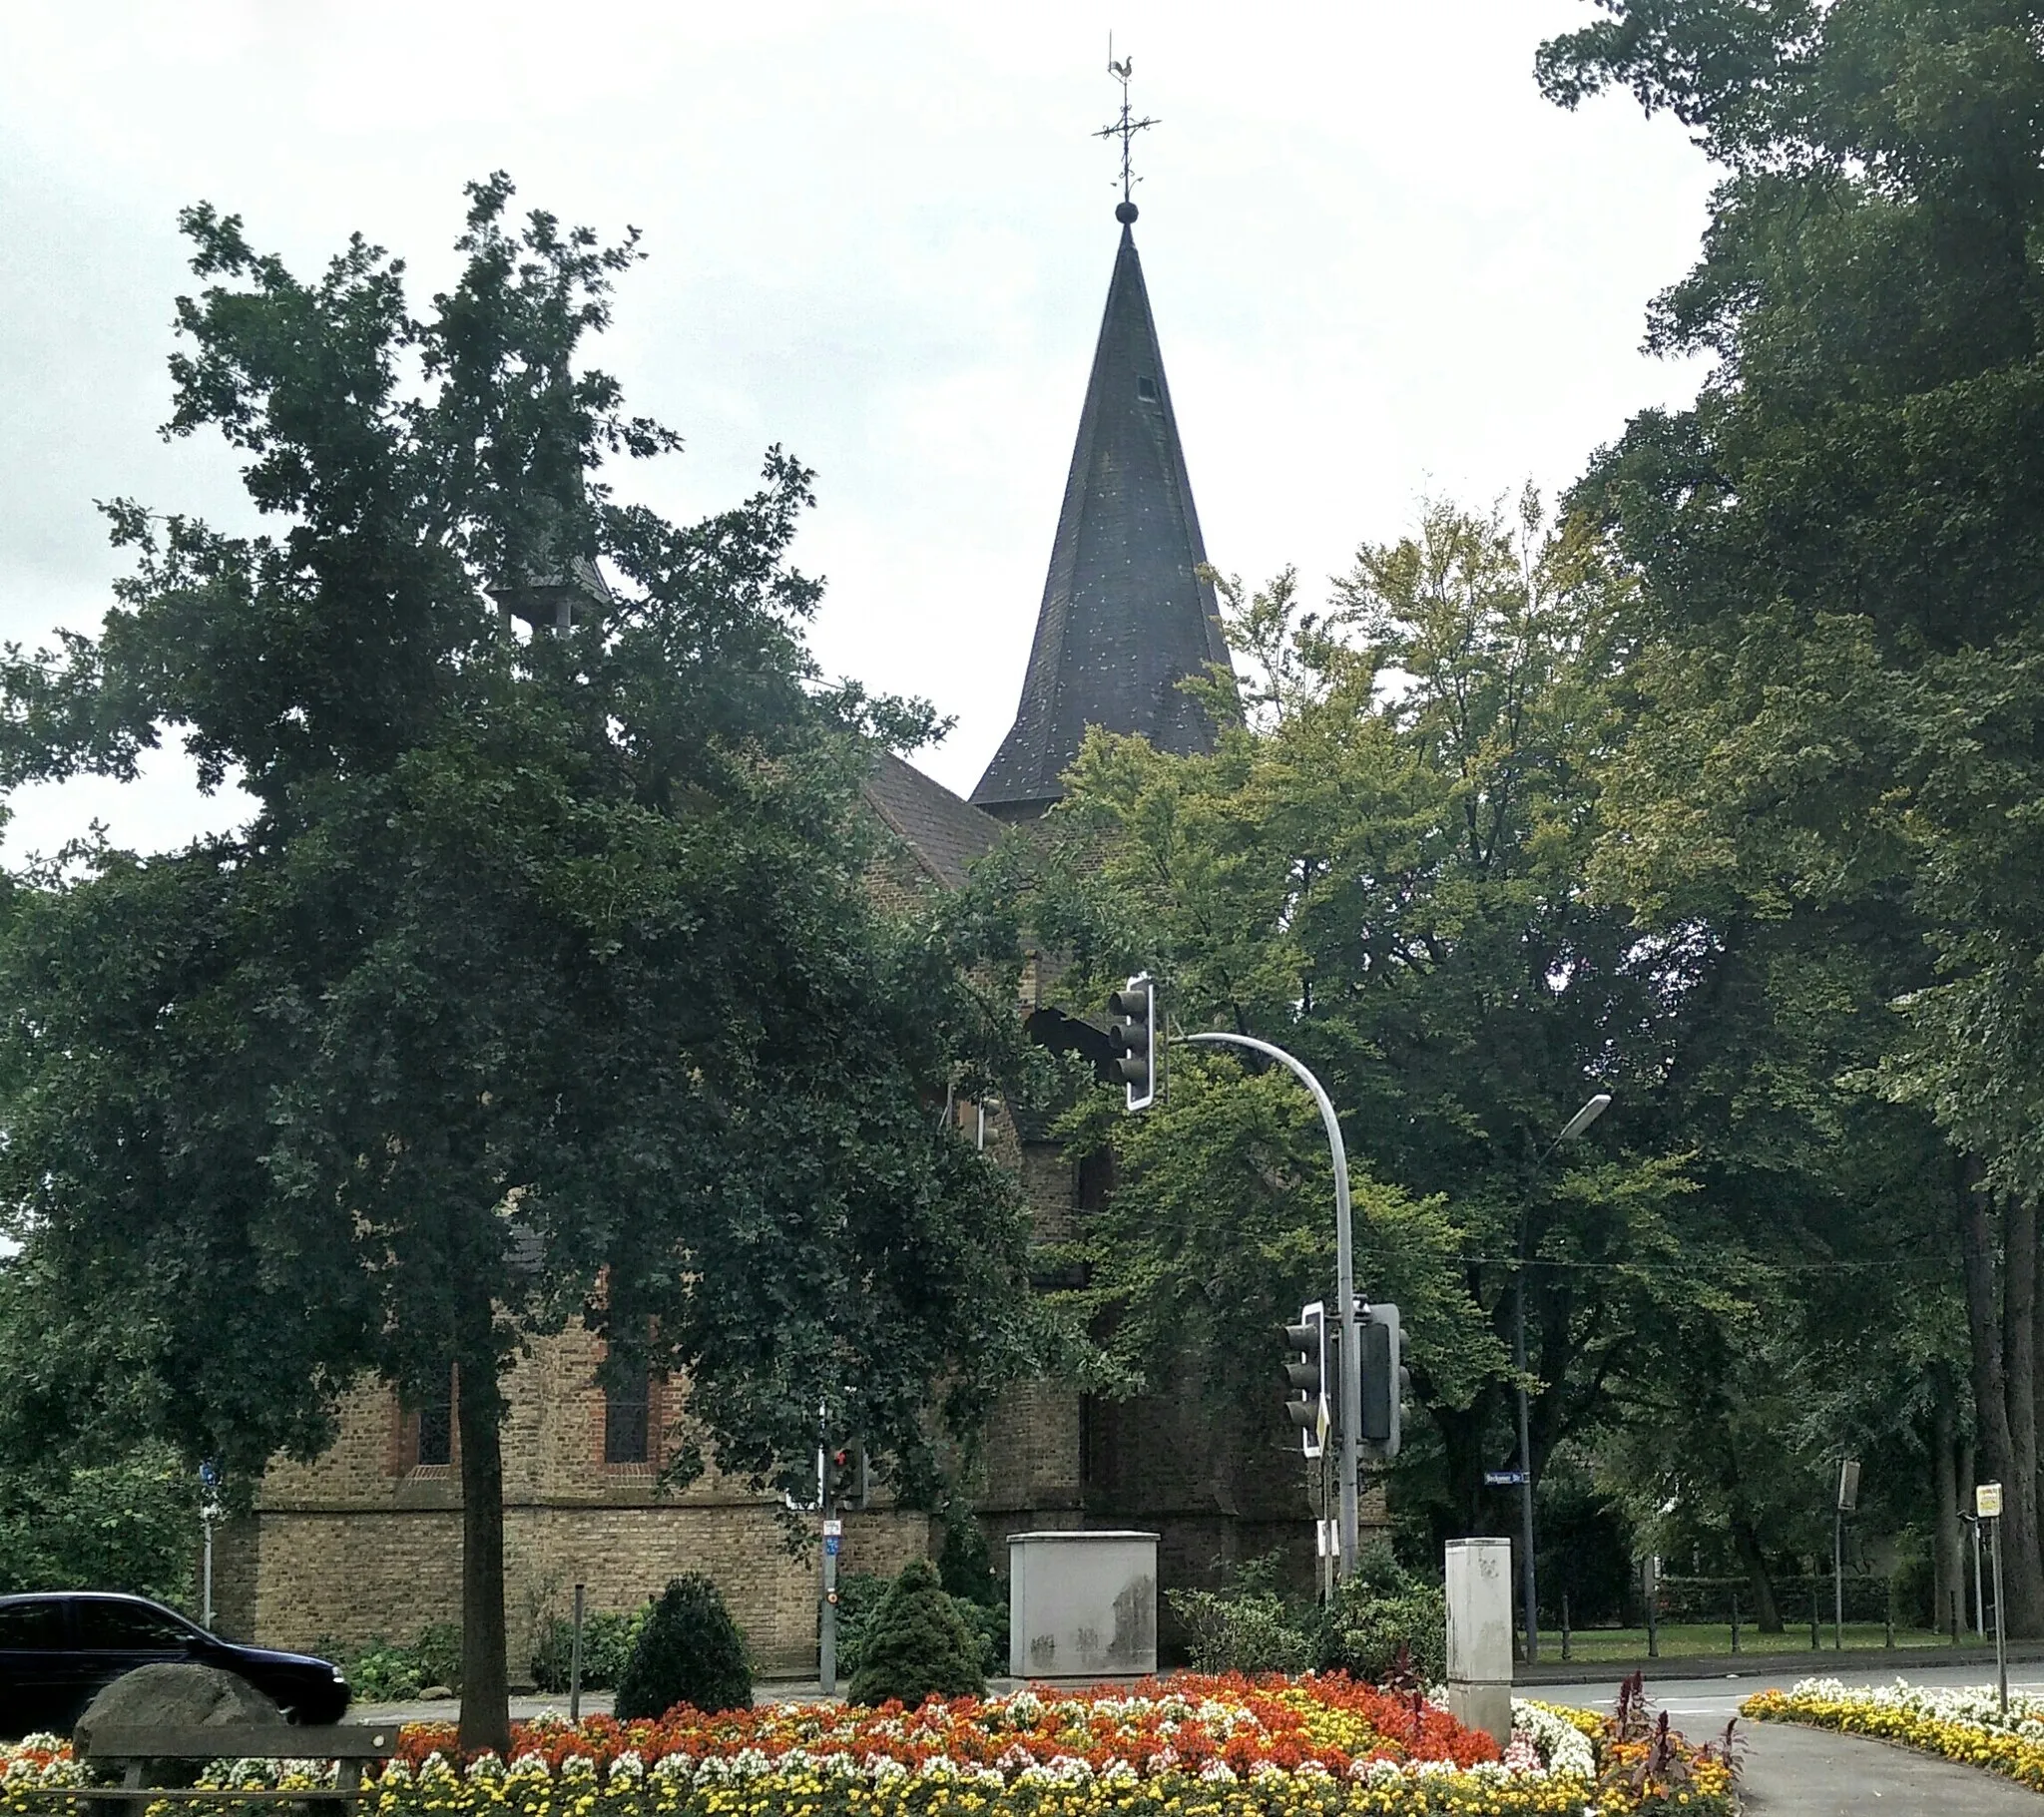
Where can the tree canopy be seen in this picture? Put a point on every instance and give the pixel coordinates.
(1835, 774)
(545, 982)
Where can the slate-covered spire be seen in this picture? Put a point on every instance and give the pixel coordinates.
(1125, 616)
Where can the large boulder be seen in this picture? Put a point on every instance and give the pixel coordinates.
(175, 1697)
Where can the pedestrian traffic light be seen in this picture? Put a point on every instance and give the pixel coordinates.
(1132, 1038)
(1308, 1375)
(1386, 1382)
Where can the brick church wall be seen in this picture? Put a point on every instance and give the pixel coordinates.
(359, 1542)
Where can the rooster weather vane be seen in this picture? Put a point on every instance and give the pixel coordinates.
(1124, 129)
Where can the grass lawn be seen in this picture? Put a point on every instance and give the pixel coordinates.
(1689, 1639)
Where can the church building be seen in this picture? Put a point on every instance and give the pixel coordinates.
(365, 1541)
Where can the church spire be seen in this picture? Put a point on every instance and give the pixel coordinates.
(1125, 616)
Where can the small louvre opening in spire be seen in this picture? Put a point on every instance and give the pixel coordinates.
(1145, 389)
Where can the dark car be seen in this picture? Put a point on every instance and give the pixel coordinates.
(58, 1651)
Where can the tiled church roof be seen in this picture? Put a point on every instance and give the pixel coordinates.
(945, 831)
(1125, 616)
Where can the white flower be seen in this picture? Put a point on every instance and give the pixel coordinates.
(1558, 1745)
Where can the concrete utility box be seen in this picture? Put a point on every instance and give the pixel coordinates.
(1480, 1635)
(1081, 1605)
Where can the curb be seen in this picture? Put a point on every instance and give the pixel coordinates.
(1805, 1664)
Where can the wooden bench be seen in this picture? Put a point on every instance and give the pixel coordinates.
(348, 1745)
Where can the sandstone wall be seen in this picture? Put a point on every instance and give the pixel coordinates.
(362, 1541)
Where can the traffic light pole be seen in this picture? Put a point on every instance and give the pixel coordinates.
(1345, 1287)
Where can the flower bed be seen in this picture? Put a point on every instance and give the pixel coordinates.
(1960, 1724)
(1190, 1747)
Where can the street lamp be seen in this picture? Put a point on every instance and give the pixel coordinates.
(1575, 1126)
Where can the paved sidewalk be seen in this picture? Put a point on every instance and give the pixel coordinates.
(1806, 1772)
(1788, 1771)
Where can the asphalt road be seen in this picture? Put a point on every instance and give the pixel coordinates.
(1799, 1772)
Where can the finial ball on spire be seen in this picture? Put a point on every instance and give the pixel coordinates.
(1126, 212)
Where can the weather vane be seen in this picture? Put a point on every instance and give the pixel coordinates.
(1124, 129)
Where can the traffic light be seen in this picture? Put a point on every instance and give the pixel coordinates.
(1132, 1038)
(847, 1476)
(1307, 1371)
(1385, 1381)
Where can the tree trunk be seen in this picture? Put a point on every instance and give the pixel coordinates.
(2022, 1565)
(1766, 1613)
(1948, 1573)
(2002, 1329)
(1463, 1461)
(485, 1680)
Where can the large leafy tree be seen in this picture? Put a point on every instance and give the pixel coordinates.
(1842, 555)
(1384, 870)
(545, 981)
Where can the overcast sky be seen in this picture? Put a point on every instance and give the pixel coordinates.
(1381, 269)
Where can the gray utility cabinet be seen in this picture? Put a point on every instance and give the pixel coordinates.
(1081, 1605)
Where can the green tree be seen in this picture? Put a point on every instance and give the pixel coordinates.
(89, 1511)
(1840, 549)
(1386, 870)
(544, 982)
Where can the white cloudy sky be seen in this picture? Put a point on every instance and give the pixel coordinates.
(880, 234)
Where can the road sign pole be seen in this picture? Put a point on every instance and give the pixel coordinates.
(2000, 1628)
(209, 1512)
(1344, 1291)
(1844, 1503)
(1987, 1511)
(575, 1661)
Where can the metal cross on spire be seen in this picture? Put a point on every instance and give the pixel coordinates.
(1124, 129)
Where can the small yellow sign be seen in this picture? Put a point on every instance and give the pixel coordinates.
(1987, 1501)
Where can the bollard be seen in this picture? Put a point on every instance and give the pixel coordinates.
(575, 1663)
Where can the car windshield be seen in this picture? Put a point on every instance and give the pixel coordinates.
(128, 1626)
(35, 1627)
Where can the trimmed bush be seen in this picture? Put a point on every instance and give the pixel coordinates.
(688, 1650)
(917, 1645)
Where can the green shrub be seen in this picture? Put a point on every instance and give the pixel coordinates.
(688, 1650)
(989, 1626)
(438, 1655)
(388, 1671)
(917, 1645)
(1247, 1627)
(965, 1566)
(384, 1672)
(1379, 1608)
(1240, 1630)
(607, 1642)
(859, 1596)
